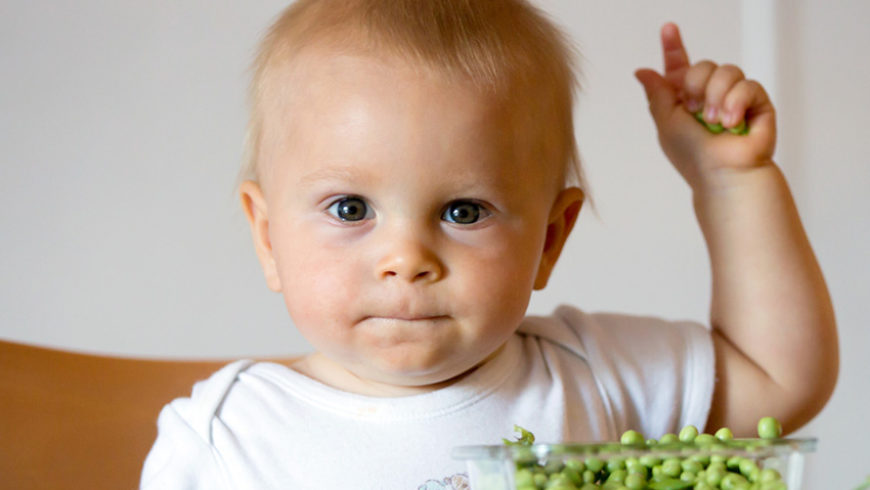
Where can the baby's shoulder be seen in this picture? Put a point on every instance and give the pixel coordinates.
(199, 409)
(586, 333)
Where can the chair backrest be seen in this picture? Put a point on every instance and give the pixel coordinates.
(80, 421)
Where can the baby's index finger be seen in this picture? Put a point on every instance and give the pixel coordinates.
(675, 56)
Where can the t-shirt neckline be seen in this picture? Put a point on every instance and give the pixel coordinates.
(457, 396)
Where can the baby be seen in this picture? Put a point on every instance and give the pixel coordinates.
(412, 178)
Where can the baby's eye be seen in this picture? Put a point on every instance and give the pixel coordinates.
(463, 212)
(350, 209)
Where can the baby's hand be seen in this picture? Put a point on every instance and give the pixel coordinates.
(725, 96)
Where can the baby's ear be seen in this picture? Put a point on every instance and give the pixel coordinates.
(563, 215)
(257, 212)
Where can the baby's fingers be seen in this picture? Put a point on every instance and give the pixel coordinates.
(723, 80)
(676, 60)
(695, 84)
(746, 99)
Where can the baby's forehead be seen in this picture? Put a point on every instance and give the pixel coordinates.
(319, 80)
(352, 89)
(320, 90)
(319, 69)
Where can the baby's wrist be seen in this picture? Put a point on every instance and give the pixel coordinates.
(727, 180)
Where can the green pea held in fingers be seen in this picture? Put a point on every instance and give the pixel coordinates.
(717, 128)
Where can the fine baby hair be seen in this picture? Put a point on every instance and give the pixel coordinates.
(504, 47)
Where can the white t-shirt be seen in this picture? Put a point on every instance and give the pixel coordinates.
(571, 376)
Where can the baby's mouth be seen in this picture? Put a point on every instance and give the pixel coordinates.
(407, 318)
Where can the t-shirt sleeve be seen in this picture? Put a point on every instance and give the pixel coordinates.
(183, 456)
(655, 376)
(180, 458)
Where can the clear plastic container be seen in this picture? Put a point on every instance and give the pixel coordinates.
(496, 467)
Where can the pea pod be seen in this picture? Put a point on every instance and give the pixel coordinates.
(717, 128)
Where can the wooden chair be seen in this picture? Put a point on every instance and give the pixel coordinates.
(81, 421)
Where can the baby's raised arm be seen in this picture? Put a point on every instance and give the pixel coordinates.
(773, 323)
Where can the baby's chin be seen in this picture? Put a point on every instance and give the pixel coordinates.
(390, 377)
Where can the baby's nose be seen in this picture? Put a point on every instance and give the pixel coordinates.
(409, 258)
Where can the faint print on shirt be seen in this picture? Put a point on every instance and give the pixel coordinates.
(458, 481)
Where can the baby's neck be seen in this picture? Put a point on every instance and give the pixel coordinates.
(322, 369)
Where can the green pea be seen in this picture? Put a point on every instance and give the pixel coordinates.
(572, 474)
(594, 464)
(588, 476)
(741, 128)
(635, 481)
(717, 128)
(689, 433)
(615, 463)
(558, 480)
(553, 466)
(649, 461)
(746, 467)
(540, 479)
(617, 476)
(705, 439)
(714, 476)
(702, 459)
(724, 434)
(524, 455)
(718, 458)
(631, 437)
(769, 474)
(733, 463)
(669, 439)
(671, 467)
(633, 465)
(769, 428)
(754, 474)
(524, 477)
(689, 476)
(733, 481)
(669, 484)
(576, 465)
(691, 466)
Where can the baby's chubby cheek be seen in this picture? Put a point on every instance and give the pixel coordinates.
(318, 289)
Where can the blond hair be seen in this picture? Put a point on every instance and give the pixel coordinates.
(497, 45)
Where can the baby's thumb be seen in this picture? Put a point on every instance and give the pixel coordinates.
(659, 93)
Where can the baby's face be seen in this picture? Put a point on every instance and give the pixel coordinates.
(405, 225)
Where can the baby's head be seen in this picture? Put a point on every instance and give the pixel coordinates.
(410, 180)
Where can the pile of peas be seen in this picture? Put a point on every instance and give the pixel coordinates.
(702, 470)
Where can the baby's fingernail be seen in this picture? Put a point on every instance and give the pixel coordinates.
(710, 114)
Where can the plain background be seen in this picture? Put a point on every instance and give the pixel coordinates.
(121, 127)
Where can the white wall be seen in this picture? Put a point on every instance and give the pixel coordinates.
(825, 78)
(121, 129)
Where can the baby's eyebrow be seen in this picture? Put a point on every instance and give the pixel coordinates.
(343, 174)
